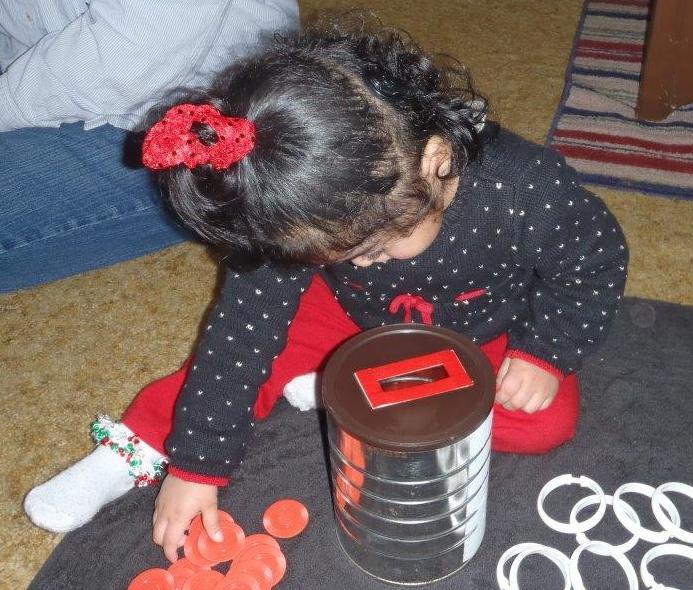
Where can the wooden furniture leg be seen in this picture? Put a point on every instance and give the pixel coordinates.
(666, 80)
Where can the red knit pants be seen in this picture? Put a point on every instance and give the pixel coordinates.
(319, 327)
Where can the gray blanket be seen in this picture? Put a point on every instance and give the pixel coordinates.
(636, 425)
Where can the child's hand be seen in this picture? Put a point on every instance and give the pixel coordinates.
(523, 386)
(178, 502)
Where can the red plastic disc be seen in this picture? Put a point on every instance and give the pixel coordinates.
(270, 556)
(182, 570)
(226, 550)
(255, 568)
(192, 553)
(261, 539)
(239, 582)
(285, 518)
(153, 579)
(196, 526)
(203, 580)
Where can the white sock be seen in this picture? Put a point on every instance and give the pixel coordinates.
(302, 392)
(74, 496)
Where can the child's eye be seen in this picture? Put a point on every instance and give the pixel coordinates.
(374, 255)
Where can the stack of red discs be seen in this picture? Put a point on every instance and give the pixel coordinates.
(257, 561)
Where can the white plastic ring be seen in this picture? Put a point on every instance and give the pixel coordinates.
(635, 528)
(577, 527)
(658, 551)
(560, 559)
(601, 548)
(503, 582)
(581, 538)
(662, 518)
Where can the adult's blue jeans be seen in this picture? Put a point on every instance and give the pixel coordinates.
(74, 200)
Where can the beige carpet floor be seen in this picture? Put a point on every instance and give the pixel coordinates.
(86, 344)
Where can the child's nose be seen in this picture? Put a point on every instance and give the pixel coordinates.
(362, 261)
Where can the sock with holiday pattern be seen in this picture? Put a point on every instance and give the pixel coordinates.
(74, 496)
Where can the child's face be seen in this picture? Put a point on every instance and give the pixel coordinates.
(401, 248)
(435, 166)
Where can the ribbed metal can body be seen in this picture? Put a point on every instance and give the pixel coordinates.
(410, 517)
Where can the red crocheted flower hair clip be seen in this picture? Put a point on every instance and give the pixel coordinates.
(172, 140)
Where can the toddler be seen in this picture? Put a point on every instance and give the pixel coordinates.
(350, 181)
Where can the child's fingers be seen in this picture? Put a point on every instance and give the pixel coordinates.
(501, 372)
(509, 387)
(158, 530)
(518, 401)
(521, 393)
(210, 520)
(534, 402)
(174, 532)
(547, 402)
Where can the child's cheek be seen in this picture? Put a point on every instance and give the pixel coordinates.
(410, 247)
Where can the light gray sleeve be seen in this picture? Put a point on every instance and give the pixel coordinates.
(119, 54)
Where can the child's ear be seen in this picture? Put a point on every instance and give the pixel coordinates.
(436, 160)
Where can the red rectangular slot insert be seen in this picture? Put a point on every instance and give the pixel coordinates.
(381, 388)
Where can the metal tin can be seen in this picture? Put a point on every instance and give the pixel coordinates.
(409, 412)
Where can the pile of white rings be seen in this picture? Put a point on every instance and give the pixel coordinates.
(663, 508)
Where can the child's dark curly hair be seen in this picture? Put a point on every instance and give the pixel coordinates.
(342, 118)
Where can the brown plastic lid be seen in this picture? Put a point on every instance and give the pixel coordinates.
(422, 424)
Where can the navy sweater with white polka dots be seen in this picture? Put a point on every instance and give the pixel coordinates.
(523, 249)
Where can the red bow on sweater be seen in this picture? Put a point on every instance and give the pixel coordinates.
(409, 302)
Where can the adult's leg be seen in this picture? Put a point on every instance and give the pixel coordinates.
(70, 201)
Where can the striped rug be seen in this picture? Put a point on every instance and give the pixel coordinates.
(595, 127)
